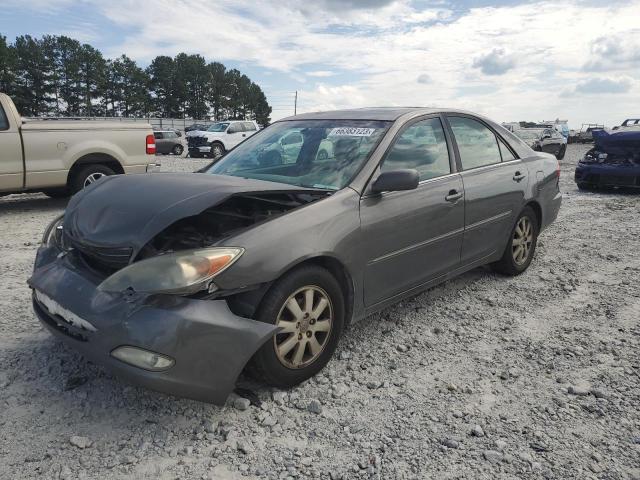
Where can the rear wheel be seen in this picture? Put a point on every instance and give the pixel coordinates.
(88, 175)
(561, 152)
(519, 252)
(177, 150)
(308, 306)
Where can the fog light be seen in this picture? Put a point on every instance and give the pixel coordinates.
(141, 358)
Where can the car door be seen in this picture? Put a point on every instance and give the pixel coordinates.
(161, 143)
(494, 180)
(549, 142)
(411, 237)
(11, 166)
(235, 134)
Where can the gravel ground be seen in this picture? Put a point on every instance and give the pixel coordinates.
(481, 377)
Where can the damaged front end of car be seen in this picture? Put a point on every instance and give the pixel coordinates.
(132, 286)
(614, 161)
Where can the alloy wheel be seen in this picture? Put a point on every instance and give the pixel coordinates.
(305, 320)
(92, 178)
(216, 151)
(522, 241)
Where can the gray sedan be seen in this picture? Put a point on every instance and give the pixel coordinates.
(178, 282)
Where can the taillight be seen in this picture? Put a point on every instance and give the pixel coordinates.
(151, 145)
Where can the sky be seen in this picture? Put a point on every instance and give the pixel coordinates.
(508, 60)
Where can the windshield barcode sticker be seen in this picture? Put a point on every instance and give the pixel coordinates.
(351, 132)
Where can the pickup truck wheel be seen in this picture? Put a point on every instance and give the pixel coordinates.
(89, 174)
(217, 150)
(177, 150)
(308, 306)
(522, 243)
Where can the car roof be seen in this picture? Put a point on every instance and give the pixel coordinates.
(374, 113)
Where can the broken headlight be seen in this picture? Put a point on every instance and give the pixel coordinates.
(54, 234)
(182, 272)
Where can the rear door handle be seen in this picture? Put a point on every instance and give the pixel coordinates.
(518, 176)
(453, 196)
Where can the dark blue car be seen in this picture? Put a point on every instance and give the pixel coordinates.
(614, 161)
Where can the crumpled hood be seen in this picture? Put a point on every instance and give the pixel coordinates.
(129, 210)
(618, 142)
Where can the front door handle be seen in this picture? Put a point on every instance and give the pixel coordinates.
(453, 196)
(518, 177)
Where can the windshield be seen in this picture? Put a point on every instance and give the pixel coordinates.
(218, 127)
(528, 134)
(308, 153)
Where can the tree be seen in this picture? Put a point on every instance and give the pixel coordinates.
(217, 88)
(58, 75)
(33, 89)
(7, 65)
(162, 73)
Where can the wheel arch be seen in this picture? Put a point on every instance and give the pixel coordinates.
(95, 159)
(537, 209)
(330, 263)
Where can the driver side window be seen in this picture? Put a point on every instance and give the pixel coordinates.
(423, 147)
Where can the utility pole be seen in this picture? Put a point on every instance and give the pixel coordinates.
(295, 104)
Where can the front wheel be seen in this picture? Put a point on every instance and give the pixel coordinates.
(522, 243)
(308, 306)
(561, 152)
(217, 150)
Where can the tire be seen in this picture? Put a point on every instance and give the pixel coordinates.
(508, 264)
(322, 155)
(89, 174)
(563, 150)
(177, 149)
(57, 193)
(584, 186)
(281, 371)
(217, 150)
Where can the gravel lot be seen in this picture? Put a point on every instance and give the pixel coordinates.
(482, 377)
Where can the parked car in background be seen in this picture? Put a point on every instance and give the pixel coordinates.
(220, 137)
(585, 135)
(547, 140)
(196, 127)
(246, 263)
(614, 161)
(60, 157)
(168, 141)
(629, 123)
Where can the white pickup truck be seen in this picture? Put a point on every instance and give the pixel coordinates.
(60, 157)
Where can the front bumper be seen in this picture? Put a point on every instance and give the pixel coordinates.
(210, 345)
(608, 175)
(204, 149)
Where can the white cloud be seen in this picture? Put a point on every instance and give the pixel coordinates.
(535, 50)
(320, 73)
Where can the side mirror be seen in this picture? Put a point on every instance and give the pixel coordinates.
(396, 180)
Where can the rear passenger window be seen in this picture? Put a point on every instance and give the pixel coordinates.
(4, 123)
(477, 144)
(423, 147)
(249, 126)
(157, 136)
(507, 156)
